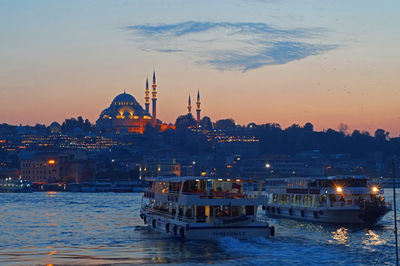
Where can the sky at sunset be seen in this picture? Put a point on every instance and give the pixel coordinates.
(324, 62)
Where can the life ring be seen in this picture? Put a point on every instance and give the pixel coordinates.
(182, 231)
(154, 223)
(175, 229)
(315, 213)
(145, 220)
(302, 213)
(272, 230)
(167, 227)
(291, 211)
(263, 208)
(278, 210)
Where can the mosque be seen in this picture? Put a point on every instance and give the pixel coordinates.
(126, 115)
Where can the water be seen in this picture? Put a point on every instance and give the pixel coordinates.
(82, 228)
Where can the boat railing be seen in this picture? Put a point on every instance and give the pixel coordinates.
(173, 196)
(168, 215)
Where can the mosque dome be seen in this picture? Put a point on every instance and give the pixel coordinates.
(124, 99)
(55, 128)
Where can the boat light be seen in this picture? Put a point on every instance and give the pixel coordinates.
(375, 189)
(339, 189)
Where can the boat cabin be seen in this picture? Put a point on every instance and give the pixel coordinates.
(203, 199)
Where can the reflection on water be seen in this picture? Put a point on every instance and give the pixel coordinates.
(79, 228)
(341, 236)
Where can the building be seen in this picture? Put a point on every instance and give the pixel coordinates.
(48, 167)
(126, 115)
(154, 168)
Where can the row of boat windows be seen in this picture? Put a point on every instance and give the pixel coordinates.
(201, 213)
(324, 183)
(299, 200)
(205, 186)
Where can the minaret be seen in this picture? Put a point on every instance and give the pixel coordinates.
(154, 99)
(189, 106)
(147, 97)
(198, 108)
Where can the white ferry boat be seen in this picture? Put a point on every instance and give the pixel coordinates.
(334, 199)
(15, 185)
(204, 208)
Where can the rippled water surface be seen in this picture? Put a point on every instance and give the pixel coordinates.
(105, 228)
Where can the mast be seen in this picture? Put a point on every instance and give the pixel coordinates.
(395, 213)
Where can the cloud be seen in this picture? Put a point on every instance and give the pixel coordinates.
(231, 46)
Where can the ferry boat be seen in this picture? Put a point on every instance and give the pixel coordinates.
(15, 185)
(204, 208)
(334, 199)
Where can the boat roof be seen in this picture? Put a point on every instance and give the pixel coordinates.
(320, 177)
(187, 178)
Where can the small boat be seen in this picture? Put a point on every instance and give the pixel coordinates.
(204, 208)
(15, 185)
(129, 186)
(103, 185)
(333, 199)
(74, 187)
(88, 187)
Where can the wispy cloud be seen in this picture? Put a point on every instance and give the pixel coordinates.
(231, 46)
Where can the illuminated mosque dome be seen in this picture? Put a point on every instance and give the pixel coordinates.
(126, 115)
(124, 99)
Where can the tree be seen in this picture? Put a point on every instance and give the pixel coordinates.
(205, 123)
(309, 127)
(381, 134)
(185, 121)
(343, 128)
(228, 123)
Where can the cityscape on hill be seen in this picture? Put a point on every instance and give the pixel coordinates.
(128, 142)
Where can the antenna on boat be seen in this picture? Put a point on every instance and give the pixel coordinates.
(395, 213)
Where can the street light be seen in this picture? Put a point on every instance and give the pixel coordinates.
(268, 165)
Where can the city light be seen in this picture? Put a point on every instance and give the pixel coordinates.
(339, 189)
(375, 189)
(268, 165)
(51, 162)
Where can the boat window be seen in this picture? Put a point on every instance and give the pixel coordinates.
(180, 210)
(249, 210)
(174, 187)
(275, 198)
(189, 212)
(236, 210)
(284, 199)
(298, 200)
(200, 214)
(322, 200)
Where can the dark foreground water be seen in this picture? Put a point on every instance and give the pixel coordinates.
(79, 228)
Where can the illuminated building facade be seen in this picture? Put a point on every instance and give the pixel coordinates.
(154, 168)
(126, 115)
(45, 168)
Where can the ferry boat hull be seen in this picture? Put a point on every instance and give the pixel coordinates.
(331, 215)
(206, 231)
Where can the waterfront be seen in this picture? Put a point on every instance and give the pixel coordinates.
(105, 228)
